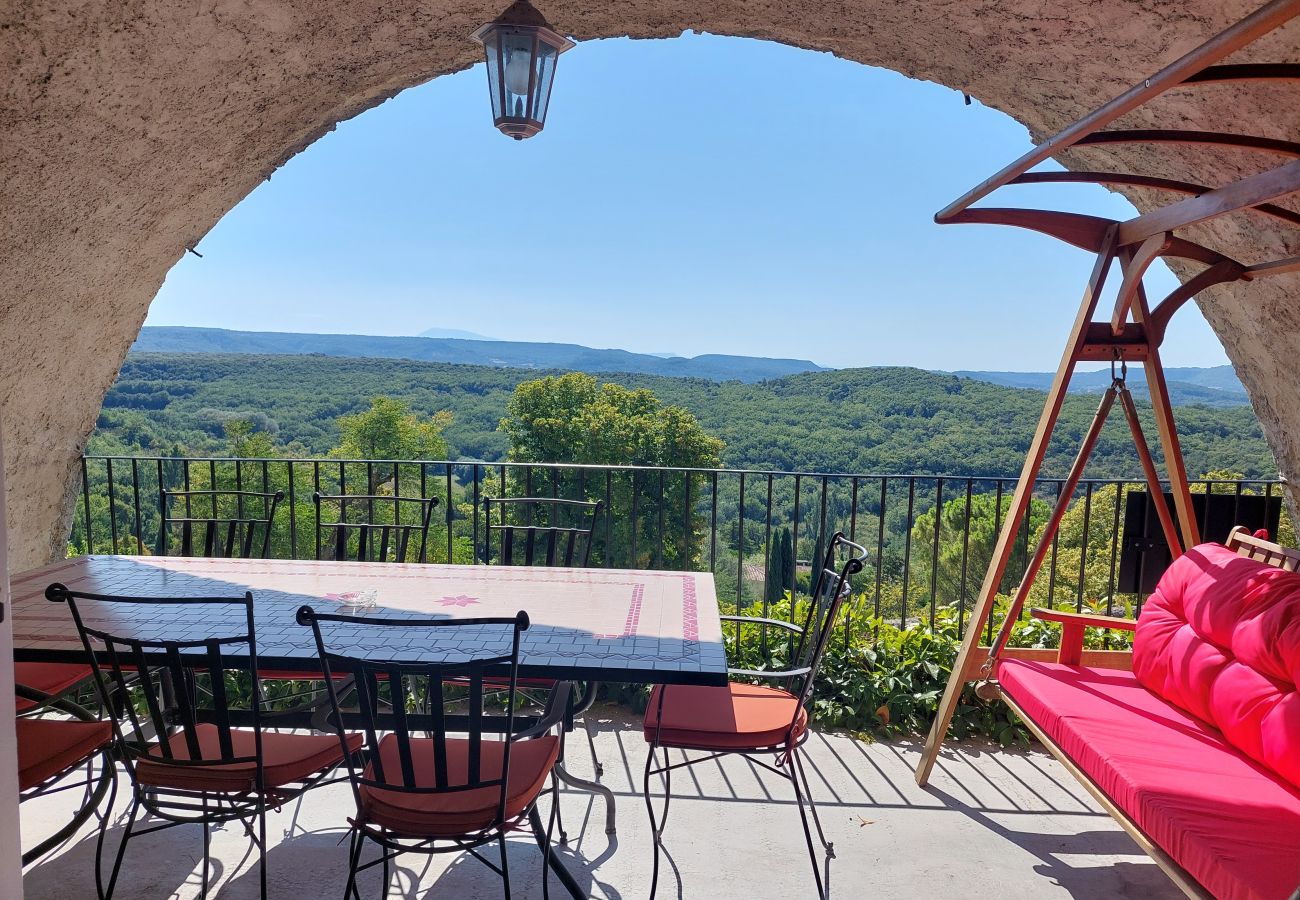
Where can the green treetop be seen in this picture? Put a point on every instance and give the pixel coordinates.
(574, 419)
(389, 430)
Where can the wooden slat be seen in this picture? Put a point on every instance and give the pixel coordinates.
(1019, 505)
(1121, 660)
(1260, 22)
(1243, 194)
(1246, 544)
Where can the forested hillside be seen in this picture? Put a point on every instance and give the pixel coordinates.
(852, 420)
(466, 351)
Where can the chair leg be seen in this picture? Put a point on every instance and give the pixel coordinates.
(807, 792)
(207, 848)
(505, 865)
(384, 871)
(121, 850)
(103, 826)
(807, 832)
(591, 743)
(261, 847)
(656, 830)
(550, 829)
(354, 857)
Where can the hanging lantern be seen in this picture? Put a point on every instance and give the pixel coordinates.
(521, 50)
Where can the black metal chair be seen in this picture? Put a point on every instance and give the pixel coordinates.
(349, 530)
(218, 523)
(561, 531)
(423, 791)
(547, 531)
(63, 754)
(187, 763)
(752, 719)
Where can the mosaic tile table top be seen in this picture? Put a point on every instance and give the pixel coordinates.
(597, 624)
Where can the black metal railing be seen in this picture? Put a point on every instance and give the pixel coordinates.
(726, 521)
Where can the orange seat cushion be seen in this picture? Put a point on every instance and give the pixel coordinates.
(462, 812)
(299, 675)
(286, 758)
(735, 717)
(47, 747)
(49, 678)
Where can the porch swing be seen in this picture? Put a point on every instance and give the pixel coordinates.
(1192, 739)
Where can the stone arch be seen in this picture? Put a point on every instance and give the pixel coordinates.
(130, 129)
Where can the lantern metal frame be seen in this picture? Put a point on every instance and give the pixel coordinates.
(521, 18)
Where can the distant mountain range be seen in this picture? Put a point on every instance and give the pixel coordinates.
(455, 333)
(501, 354)
(1214, 386)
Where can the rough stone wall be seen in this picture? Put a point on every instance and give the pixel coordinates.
(129, 127)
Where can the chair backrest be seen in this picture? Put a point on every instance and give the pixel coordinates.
(153, 684)
(217, 523)
(539, 531)
(831, 588)
(346, 527)
(417, 696)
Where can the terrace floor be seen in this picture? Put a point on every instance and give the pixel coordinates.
(996, 824)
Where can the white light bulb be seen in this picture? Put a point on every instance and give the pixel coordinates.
(517, 70)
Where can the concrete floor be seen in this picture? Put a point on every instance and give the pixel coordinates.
(992, 824)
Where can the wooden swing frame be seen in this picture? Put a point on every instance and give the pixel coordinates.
(1135, 329)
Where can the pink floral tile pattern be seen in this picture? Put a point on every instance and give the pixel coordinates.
(458, 600)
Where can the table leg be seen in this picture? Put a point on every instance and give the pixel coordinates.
(594, 787)
(557, 864)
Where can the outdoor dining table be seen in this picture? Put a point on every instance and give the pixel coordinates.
(599, 625)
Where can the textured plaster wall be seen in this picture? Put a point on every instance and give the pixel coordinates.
(129, 127)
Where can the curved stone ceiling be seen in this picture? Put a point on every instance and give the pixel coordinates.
(130, 128)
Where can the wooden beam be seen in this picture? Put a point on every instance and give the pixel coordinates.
(1085, 232)
(1219, 273)
(1135, 264)
(1121, 660)
(1019, 505)
(1276, 267)
(1128, 179)
(1189, 137)
(1102, 343)
(1244, 194)
(1149, 470)
(1260, 22)
(1246, 72)
(1054, 521)
(1167, 431)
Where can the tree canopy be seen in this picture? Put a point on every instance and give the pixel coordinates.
(573, 418)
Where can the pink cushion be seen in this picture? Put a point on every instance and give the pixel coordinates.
(1233, 825)
(1220, 638)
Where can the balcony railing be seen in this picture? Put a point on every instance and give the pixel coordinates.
(727, 521)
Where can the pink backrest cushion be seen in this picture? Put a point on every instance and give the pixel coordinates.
(1220, 638)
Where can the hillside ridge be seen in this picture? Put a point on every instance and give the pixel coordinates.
(497, 354)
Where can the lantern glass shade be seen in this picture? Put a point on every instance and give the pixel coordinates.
(521, 60)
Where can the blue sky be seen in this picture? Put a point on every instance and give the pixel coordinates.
(697, 195)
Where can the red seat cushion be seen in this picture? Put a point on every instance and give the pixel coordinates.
(286, 758)
(299, 675)
(735, 717)
(47, 747)
(1231, 823)
(462, 812)
(50, 678)
(1220, 638)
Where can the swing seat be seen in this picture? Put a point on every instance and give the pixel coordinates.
(1196, 751)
